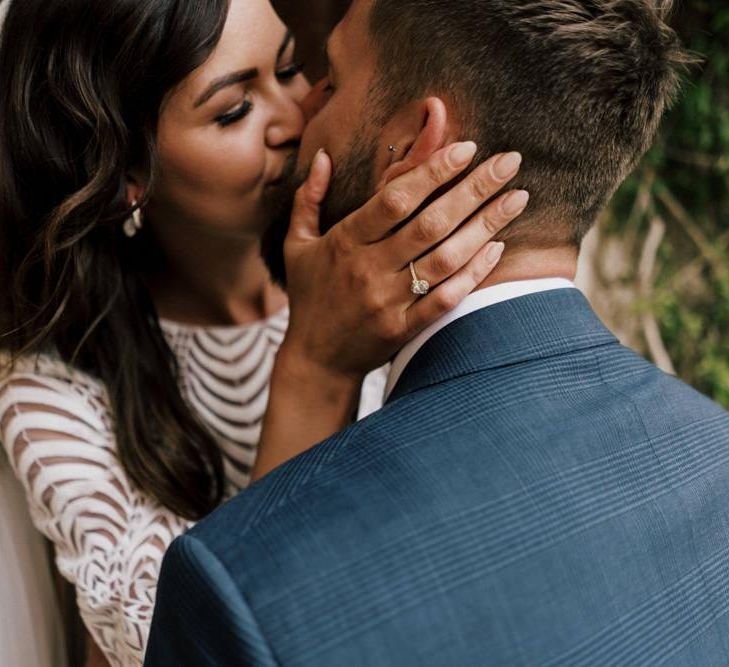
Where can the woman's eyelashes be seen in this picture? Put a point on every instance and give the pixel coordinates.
(290, 72)
(284, 76)
(241, 112)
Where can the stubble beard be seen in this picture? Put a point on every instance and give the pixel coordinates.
(350, 188)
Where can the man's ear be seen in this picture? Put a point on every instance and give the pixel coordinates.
(415, 144)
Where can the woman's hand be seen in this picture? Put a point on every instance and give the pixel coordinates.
(351, 304)
(349, 290)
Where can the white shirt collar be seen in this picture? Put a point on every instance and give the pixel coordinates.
(473, 302)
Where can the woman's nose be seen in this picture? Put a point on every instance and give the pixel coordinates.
(315, 100)
(288, 121)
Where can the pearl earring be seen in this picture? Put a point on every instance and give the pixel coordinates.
(133, 224)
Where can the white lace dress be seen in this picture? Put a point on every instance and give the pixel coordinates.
(109, 538)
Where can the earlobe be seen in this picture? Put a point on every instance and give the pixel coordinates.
(430, 137)
(134, 189)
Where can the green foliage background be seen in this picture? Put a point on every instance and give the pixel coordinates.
(683, 183)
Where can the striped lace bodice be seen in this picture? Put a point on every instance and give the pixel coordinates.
(109, 538)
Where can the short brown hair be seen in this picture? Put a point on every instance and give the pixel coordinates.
(578, 86)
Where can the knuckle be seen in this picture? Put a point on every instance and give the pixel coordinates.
(445, 262)
(395, 204)
(300, 193)
(361, 278)
(375, 309)
(480, 187)
(389, 328)
(341, 243)
(446, 299)
(437, 171)
(491, 223)
(432, 227)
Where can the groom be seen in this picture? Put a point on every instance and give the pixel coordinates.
(532, 493)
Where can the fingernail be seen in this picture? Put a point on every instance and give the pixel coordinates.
(507, 165)
(493, 254)
(317, 161)
(462, 153)
(515, 202)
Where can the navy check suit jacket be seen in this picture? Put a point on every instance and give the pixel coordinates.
(533, 493)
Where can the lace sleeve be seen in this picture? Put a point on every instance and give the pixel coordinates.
(109, 539)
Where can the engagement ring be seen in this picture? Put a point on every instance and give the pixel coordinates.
(418, 287)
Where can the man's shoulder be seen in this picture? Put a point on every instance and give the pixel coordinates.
(333, 487)
(317, 470)
(664, 402)
(502, 427)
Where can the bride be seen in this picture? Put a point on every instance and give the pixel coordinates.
(143, 146)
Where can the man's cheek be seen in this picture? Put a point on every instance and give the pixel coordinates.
(315, 101)
(311, 141)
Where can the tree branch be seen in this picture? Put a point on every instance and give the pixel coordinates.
(646, 270)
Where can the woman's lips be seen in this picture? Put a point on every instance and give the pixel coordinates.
(287, 171)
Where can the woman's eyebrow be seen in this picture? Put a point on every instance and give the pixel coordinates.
(288, 38)
(240, 77)
(223, 82)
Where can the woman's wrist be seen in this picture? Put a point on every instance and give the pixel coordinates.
(308, 403)
(297, 370)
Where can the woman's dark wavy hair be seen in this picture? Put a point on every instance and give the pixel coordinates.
(83, 82)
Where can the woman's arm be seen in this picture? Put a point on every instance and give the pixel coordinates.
(94, 656)
(307, 404)
(349, 290)
(109, 540)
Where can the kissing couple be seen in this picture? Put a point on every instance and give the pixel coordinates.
(531, 492)
(520, 489)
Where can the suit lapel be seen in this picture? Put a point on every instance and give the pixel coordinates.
(523, 329)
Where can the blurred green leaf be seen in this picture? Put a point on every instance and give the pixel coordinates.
(691, 161)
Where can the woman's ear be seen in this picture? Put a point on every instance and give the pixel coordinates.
(428, 138)
(135, 188)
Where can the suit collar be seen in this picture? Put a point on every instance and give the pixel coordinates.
(523, 329)
(481, 298)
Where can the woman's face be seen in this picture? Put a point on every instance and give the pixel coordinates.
(228, 131)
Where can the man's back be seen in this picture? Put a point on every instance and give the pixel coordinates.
(532, 494)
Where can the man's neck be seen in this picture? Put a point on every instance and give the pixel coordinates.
(515, 267)
(531, 264)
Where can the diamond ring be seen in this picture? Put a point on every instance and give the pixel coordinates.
(418, 287)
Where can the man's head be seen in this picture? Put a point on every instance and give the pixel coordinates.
(577, 86)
